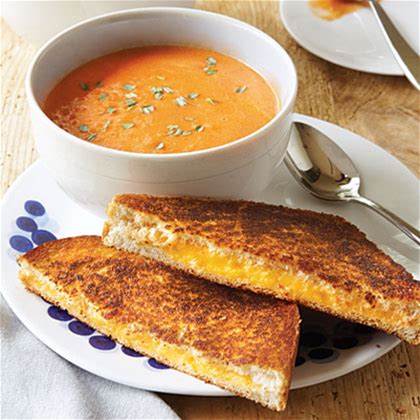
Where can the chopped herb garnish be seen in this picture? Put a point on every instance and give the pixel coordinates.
(199, 128)
(129, 87)
(99, 83)
(131, 103)
(167, 89)
(186, 133)
(210, 70)
(173, 130)
(160, 77)
(91, 137)
(241, 89)
(211, 101)
(211, 61)
(83, 128)
(84, 86)
(106, 124)
(147, 109)
(128, 125)
(181, 101)
(131, 95)
(157, 92)
(111, 109)
(103, 96)
(193, 95)
(160, 146)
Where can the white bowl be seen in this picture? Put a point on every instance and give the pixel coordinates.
(92, 174)
(37, 21)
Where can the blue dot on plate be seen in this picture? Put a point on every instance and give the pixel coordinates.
(345, 342)
(130, 352)
(58, 314)
(20, 243)
(34, 207)
(80, 328)
(323, 355)
(26, 223)
(300, 360)
(155, 364)
(41, 236)
(102, 343)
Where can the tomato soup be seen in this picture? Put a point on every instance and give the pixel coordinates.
(162, 99)
(334, 9)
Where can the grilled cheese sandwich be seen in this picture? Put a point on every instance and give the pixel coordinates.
(234, 339)
(318, 260)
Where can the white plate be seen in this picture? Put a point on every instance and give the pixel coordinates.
(384, 180)
(354, 40)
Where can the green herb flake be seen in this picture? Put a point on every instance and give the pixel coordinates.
(99, 84)
(174, 130)
(241, 89)
(211, 101)
(129, 87)
(186, 133)
(131, 103)
(210, 70)
(128, 125)
(147, 109)
(211, 61)
(103, 96)
(84, 86)
(160, 146)
(199, 128)
(106, 124)
(193, 95)
(111, 110)
(158, 95)
(91, 137)
(181, 101)
(131, 95)
(167, 89)
(83, 128)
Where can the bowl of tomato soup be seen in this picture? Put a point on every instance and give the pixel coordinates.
(161, 101)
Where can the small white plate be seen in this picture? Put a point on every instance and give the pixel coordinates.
(35, 208)
(354, 40)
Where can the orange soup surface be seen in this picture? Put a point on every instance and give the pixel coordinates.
(162, 99)
(334, 9)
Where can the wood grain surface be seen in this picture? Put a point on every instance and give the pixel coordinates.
(381, 108)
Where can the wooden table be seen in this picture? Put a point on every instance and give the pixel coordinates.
(382, 109)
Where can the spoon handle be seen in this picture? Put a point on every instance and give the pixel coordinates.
(409, 230)
(406, 57)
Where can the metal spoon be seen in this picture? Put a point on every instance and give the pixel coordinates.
(323, 169)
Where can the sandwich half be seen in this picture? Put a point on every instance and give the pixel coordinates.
(237, 340)
(317, 260)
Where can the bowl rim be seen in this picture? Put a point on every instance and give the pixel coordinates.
(285, 109)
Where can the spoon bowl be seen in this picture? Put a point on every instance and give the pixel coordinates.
(327, 172)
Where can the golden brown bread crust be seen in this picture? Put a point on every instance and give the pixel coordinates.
(231, 325)
(318, 244)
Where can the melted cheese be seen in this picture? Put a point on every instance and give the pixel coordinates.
(284, 284)
(248, 380)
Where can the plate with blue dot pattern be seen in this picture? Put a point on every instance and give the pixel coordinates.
(35, 210)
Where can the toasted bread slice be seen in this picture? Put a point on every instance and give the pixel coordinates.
(237, 340)
(318, 260)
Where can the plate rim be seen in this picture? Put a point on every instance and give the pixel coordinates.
(324, 56)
